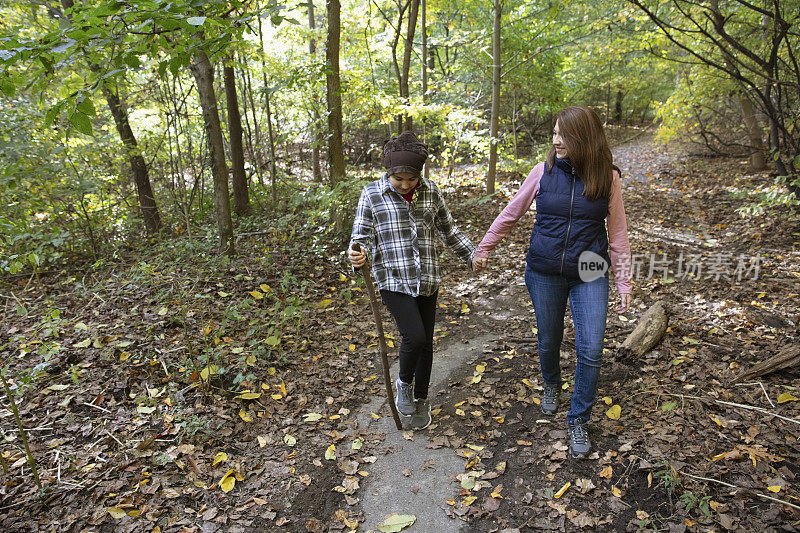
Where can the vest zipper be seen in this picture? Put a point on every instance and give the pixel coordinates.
(569, 223)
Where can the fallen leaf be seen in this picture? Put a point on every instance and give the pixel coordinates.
(614, 412)
(774, 488)
(228, 481)
(330, 453)
(786, 397)
(562, 490)
(220, 458)
(607, 472)
(396, 522)
(616, 492)
(289, 440)
(116, 512)
(249, 396)
(311, 417)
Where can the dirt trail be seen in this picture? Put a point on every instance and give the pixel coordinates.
(495, 430)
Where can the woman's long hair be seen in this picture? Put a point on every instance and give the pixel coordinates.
(587, 150)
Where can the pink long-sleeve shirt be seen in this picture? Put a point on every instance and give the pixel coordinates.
(619, 249)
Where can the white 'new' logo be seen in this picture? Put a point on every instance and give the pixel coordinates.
(591, 266)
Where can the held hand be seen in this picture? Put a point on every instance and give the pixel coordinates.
(479, 263)
(624, 303)
(357, 259)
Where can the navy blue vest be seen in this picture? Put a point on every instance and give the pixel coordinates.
(567, 224)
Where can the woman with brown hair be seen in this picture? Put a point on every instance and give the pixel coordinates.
(578, 194)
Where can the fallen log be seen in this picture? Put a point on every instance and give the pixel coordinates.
(789, 356)
(648, 332)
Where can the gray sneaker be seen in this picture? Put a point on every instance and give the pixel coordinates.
(550, 399)
(579, 444)
(422, 414)
(403, 399)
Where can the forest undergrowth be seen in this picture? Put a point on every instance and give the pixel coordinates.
(179, 390)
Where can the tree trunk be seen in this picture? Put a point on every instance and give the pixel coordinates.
(424, 29)
(757, 159)
(204, 76)
(273, 167)
(409, 47)
(312, 50)
(496, 34)
(141, 174)
(618, 108)
(241, 196)
(334, 96)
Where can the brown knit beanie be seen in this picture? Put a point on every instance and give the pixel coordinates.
(404, 153)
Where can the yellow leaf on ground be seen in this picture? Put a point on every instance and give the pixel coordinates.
(209, 371)
(264, 287)
(527, 382)
(642, 515)
(249, 396)
(396, 522)
(774, 488)
(787, 397)
(469, 500)
(228, 481)
(390, 344)
(246, 416)
(562, 490)
(116, 512)
(84, 344)
(257, 295)
(607, 472)
(312, 417)
(289, 440)
(324, 303)
(262, 441)
(352, 347)
(614, 412)
(330, 453)
(460, 412)
(607, 400)
(220, 458)
(480, 368)
(616, 492)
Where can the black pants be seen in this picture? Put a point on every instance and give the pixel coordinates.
(415, 317)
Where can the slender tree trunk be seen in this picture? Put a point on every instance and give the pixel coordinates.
(425, 73)
(496, 35)
(141, 174)
(757, 159)
(409, 47)
(618, 107)
(204, 77)
(312, 51)
(334, 96)
(273, 166)
(241, 196)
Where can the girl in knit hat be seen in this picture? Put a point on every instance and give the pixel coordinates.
(397, 219)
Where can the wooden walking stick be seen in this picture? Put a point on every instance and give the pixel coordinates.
(376, 312)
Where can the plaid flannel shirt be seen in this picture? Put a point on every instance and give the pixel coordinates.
(402, 236)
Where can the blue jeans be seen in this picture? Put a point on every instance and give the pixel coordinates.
(589, 303)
